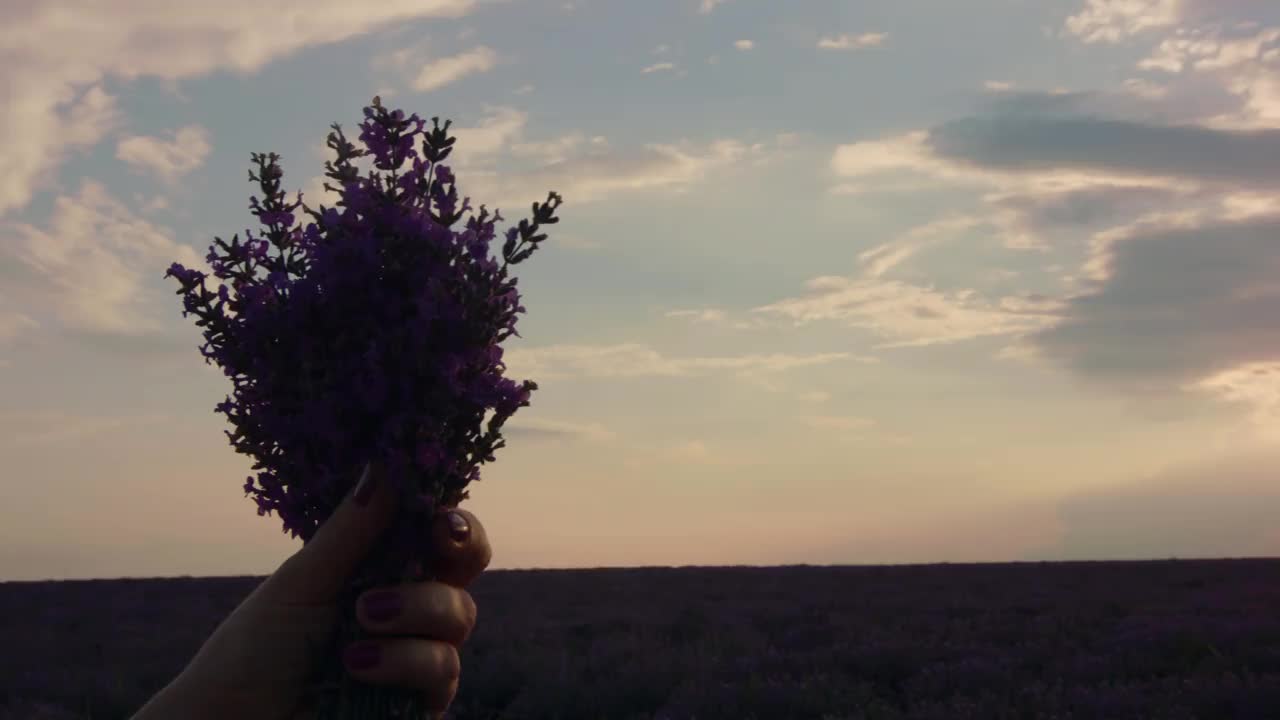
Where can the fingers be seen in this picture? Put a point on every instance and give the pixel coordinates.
(318, 571)
(458, 559)
(428, 609)
(414, 663)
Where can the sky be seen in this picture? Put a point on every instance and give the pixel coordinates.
(835, 282)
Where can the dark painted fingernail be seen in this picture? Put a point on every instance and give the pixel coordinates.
(368, 483)
(362, 655)
(383, 605)
(459, 528)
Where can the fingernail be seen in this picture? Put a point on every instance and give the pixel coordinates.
(459, 528)
(383, 605)
(362, 655)
(368, 482)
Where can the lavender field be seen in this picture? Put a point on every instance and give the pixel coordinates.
(1165, 640)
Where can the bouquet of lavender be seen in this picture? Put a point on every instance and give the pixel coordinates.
(372, 335)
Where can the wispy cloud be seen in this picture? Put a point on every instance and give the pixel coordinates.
(906, 315)
(43, 428)
(633, 360)
(92, 267)
(447, 70)
(558, 429)
(852, 42)
(1255, 385)
(169, 159)
(494, 133)
(598, 171)
(1114, 20)
(882, 258)
(704, 316)
(14, 322)
(588, 168)
(658, 67)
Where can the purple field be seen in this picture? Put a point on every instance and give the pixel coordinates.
(1090, 641)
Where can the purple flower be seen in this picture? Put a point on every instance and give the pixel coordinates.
(372, 334)
(371, 323)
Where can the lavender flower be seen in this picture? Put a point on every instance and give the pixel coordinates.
(373, 334)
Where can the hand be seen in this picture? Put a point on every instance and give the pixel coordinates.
(256, 665)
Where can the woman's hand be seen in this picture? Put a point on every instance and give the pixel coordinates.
(257, 663)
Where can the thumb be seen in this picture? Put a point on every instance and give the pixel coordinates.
(322, 568)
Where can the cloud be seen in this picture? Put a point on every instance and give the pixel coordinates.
(540, 428)
(697, 452)
(997, 85)
(706, 6)
(907, 315)
(498, 166)
(1042, 142)
(848, 427)
(1200, 36)
(1050, 161)
(14, 322)
(1222, 507)
(93, 265)
(852, 42)
(900, 313)
(1191, 281)
(55, 428)
(433, 74)
(657, 67)
(1065, 141)
(1243, 61)
(842, 423)
(35, 138)
(602, 173)
(882, 258)
(634, 360)
(551, 152)
(1209, 50)
(1255, 385)
(743, 44)
(155, 204)
(169, 160)
(1145, 89)
(490, 137)
(54, 70)
(1081, 208)
(438, 73)
(699, 316)
(576, 242)
(1181, 224)
(1114, 20)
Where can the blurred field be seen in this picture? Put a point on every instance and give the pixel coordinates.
(1091, 641)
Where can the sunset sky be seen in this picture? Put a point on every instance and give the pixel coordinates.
(835, 282)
